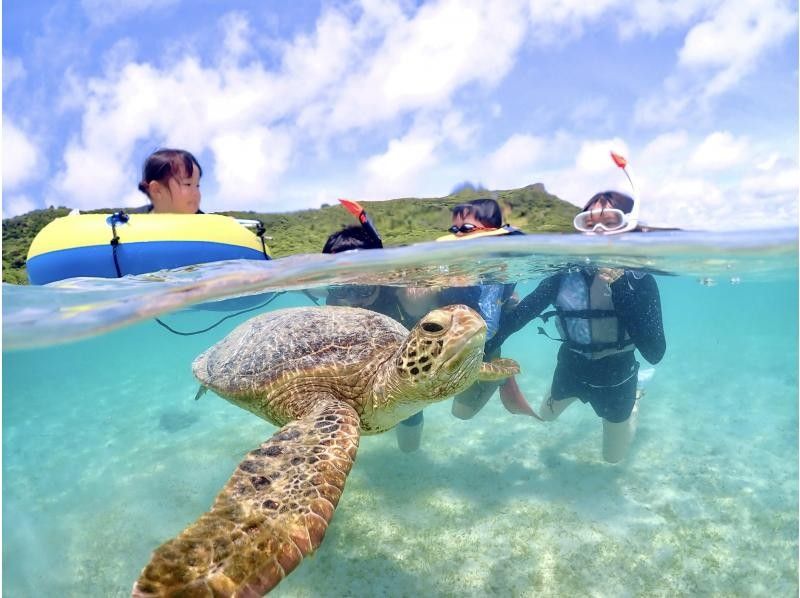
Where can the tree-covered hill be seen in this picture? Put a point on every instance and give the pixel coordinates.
(400, 222)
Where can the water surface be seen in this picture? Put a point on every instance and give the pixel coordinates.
(106, 454)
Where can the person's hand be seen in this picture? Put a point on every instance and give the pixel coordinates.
(609, 275)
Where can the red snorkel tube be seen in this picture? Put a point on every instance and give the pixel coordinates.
(633, 217)
(366, 222)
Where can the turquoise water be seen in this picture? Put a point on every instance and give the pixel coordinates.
(106, 454)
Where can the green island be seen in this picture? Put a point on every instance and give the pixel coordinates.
(400, 221)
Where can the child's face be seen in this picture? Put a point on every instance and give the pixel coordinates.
(180, 194)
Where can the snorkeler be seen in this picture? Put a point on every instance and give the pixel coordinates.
(472, 220)
(602, 316)
(406, 305)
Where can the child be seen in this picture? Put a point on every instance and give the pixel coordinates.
(171, 181)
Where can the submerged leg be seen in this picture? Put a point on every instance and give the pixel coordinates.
(472, 400)
(550, 409)
(409, 433)
(617, 437)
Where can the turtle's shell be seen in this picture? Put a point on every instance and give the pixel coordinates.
(299, 346)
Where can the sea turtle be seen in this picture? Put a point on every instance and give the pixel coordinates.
(326, 375)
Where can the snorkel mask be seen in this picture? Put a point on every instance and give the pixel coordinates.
(366, 222)
(610, 221)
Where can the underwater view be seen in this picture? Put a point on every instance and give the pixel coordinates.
(107, 454)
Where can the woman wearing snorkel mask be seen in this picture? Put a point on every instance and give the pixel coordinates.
(602, 315)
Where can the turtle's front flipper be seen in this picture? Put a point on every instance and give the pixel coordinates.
(498, 369)
(272, 512)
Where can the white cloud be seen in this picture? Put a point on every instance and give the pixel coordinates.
(665, 149)
(247, 165)
(729, 42)
(13, 70)
(14, 205)
(654, 16)
(735, 38)
(595, 156)
(718, 151)
(105, 12)
(394, 172)
(424, 60)
(512, 164)
(556, 21)
(22, 159)
(236, 41)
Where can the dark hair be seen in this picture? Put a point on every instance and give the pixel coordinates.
(615, 199)
(486, 211)
(164, 164)
(351, 237)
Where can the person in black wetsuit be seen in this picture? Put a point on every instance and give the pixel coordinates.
(406, 305)
(602, 315)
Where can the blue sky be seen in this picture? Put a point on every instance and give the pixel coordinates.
(288, 105)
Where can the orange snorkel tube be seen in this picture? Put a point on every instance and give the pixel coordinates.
(633, 217)
(360, 213)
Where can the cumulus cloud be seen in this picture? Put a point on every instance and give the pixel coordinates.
(13, 70)
(346, 75)
(22, 158)
(423, 60)
(14, 205)
(555, 21)
(728, 43)
(718, 151)
(394, 172)
(513, 163)
(735, 38)
(105, 12)
(247, 165)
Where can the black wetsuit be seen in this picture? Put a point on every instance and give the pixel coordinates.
(608, 383)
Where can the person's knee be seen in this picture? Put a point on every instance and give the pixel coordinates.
(548, 410)
(472, 400)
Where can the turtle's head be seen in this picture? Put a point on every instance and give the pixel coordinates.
(442, 354)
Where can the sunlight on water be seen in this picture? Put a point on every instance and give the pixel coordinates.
(106, 454)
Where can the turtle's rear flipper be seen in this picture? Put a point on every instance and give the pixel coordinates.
(498, 369)
(273, 511)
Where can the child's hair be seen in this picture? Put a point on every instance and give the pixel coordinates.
(351, 237)
(486, 211)
(164, 164)
(615, 199)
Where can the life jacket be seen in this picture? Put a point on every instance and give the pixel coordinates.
(587, 320)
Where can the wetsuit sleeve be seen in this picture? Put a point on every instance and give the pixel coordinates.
(638, 306)
(525, 311)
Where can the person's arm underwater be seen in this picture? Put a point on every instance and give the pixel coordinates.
(490, 303)
(638, 306)
(525, 311)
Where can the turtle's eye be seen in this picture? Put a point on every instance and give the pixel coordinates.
(432, 327)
